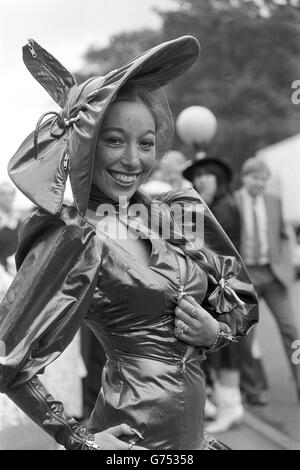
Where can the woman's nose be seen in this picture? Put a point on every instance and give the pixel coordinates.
(131, 157)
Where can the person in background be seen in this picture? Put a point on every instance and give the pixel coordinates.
(212, 177)
(172, 166)
(265, 248)
(10, 221)
(156, 184)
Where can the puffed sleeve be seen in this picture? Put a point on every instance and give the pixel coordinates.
(57, 261)
(231, 297)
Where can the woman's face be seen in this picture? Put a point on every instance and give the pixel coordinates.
(206, 185)
(125, 151)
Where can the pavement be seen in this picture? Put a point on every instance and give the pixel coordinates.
(273, 427)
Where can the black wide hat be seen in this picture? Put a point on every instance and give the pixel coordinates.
(64, 145)
(211, 163)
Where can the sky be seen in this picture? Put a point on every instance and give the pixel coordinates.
(66, 28)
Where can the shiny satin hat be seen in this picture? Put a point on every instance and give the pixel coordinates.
(65, 143)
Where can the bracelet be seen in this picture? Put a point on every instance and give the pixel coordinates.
(90, 442)
(223, 336)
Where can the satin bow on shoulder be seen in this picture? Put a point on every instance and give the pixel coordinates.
(231, 297)
(223, 273)
(224, 298)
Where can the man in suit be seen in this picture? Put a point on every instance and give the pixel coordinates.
(265, 249)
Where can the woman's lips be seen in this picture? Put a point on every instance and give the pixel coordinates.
(125, 179)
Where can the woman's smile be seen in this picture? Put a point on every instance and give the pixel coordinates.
(126, 179)
(126, 150)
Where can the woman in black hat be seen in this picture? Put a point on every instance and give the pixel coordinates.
(156, 297)
(211, 177)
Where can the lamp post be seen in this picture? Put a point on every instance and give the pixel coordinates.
(196, 126)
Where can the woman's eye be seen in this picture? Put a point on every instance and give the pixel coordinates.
(147, 144)
(114, 140)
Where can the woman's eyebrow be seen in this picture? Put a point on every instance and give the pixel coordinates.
(120, 129)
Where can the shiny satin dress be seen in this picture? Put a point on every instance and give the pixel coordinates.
(150, 381)
(146, 381)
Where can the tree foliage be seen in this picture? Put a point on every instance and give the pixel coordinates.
(250, 57)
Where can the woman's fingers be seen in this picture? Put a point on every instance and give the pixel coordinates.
(179, 324)
(130, 446)
(109, 439)
(193, 324)
(195, 311)
(122, 429)
(191, 300)
(181, 330)
(186, 317)
(121, 445)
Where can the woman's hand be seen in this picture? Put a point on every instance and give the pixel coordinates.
(193, 324)
(108, 439)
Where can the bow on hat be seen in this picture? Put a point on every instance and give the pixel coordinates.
(65, 143)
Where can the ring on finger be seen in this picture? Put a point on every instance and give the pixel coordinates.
(130, 445)
(179, 330)
(186, 328)
(194, 312)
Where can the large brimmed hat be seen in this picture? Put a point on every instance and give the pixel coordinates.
(210, 163)
(65, 144)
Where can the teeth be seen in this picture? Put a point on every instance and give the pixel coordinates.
(123, 178)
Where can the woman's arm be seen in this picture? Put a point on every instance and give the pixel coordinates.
(58, 263)
(49, 414)
(47, 300)
(40, 314)
(33, 398)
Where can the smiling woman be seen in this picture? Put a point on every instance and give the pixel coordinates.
(156, 304)
(125, 151)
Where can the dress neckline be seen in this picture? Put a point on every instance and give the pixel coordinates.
(102, 234)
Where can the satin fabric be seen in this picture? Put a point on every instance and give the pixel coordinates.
(66, 275)
(144, 382)
(66, 146)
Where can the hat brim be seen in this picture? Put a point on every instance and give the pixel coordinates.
(90, 101)
(188, 173)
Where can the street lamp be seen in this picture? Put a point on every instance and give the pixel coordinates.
(197, 126)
